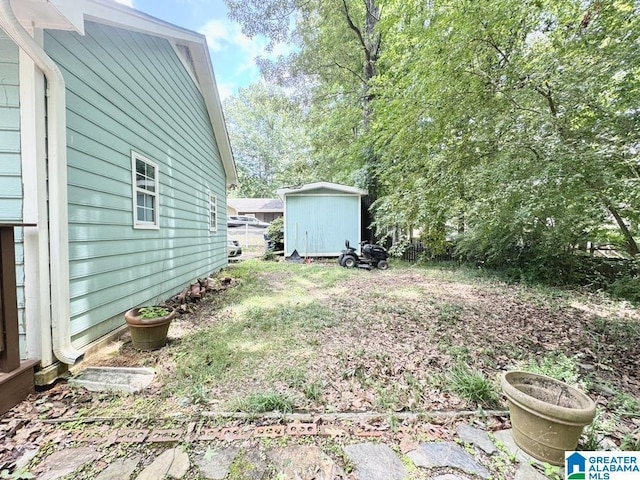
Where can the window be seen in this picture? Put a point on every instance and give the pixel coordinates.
(145, 192)
(213, 213)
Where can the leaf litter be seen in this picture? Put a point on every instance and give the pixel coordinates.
(392, 338)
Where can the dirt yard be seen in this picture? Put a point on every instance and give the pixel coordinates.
(320, 338)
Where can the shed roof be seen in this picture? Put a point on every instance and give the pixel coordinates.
(256, 204)
(282, 192)
(191, 47)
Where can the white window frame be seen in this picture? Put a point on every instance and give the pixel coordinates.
(141, 224)
(213, 212)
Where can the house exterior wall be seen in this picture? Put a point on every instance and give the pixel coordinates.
(317, 223)
(10, 171)
(11, 202)
(128, 91)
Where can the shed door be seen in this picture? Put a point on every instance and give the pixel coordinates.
(318, 225)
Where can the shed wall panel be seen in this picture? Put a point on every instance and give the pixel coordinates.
(318, 225)
(129, 91)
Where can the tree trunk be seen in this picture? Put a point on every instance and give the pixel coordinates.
(632, 246)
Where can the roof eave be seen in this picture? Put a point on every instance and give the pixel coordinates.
(71, 14)
(282, 192)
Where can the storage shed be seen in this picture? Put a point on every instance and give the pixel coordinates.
(319, 217)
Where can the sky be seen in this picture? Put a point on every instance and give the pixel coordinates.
(232, 53)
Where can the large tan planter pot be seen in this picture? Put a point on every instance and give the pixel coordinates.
(148, 333)
(547, 415)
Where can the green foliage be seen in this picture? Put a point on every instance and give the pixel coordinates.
(552, 471)
(630, 443)
(508, 103)
(153, 312)
(265, 402)
(471, 385)
(16, 475)
(449, 313)
(555, 365)
(398, 249)
(627, 287)
(269, 141)
(624, 405)
(594, 433)
(510, 126)
(275, 230)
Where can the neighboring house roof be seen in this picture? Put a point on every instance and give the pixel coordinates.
(266, 205)
(320, 185)
(191, 47)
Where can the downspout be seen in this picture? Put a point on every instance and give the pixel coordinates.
(57, 156)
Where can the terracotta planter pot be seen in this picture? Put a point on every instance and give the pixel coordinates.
(547, 415)
(148, 333)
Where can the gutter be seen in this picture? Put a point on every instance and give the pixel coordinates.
(57, 156)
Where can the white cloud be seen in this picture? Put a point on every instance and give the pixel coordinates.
(222, 34)
(128, 3)
(226, 35)
(225, 90)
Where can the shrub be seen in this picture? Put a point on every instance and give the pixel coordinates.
(275, 231)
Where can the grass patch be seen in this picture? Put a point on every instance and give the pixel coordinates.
(471, 385)
(259, 322)
(322, 335)
(555, 365)
(265, 402)
(624, 332)
(449, 313)
(297, 379)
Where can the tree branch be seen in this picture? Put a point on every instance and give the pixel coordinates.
(357, 31)
(549, 97)
(355, 74)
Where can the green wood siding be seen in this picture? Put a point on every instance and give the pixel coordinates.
(10, 162)
(129, 91)
(318, 225)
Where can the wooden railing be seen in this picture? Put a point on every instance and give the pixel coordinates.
(16, 377)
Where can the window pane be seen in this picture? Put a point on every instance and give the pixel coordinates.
(145, 209)
(146, 191)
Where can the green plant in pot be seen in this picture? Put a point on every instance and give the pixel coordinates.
(149, 326)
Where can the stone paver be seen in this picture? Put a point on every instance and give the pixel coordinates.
(120, 469)
(372, 461)
(527, 472)
(506, 438)
(251, 464)
(63, 462)
(446, 454)
(173, 462)
(27, 456)
(305, 462)
(477, 437)
(214, 464)
(375, 462)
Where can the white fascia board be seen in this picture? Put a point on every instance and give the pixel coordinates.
(49, 14)
(209, 88)
(69, 10)
(313, 186)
